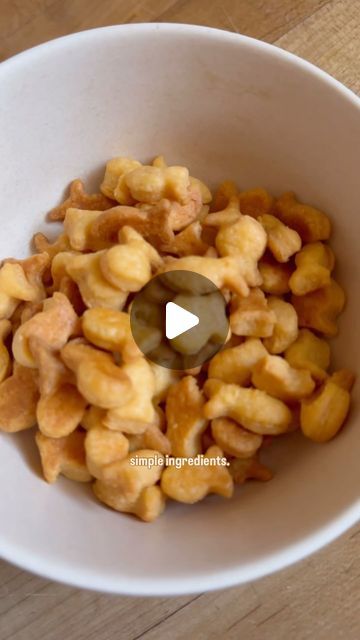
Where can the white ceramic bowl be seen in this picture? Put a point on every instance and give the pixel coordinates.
(228, 107)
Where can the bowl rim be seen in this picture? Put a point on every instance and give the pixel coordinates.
(200, 30)
(204, 581)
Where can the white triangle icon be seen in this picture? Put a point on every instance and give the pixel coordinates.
(178, 320)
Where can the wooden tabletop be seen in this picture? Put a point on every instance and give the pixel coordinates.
(318, 598)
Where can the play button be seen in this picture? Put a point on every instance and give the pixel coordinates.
(178, 320)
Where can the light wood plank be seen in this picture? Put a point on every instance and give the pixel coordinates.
(29, 22)
(330, 39)
(265, 19)
(315, 599)
(32, 608)
(318, 596)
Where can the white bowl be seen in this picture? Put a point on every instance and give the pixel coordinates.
(228, 107)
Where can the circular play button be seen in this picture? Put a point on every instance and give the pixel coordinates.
(178, 320)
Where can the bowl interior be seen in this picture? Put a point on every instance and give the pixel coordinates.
(227, 107)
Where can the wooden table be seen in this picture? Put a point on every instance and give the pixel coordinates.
(318, 598)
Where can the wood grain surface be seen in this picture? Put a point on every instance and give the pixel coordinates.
(318, 598)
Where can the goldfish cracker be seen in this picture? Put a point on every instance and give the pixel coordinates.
(310, 223)
(233, 439)
(59, 413)
(344, 379)
(251, 316)
(188, 242)
(103, 447)
(323, 414)
(246, 239)
(234, 365)
(13, 282)
(178, 215)
(77, 350)
(100, 381)
(320, 309)
(19, 396)
(52, 373)
(282, 241)
(255, 410)
(79, 199)
(195, 183)
(255, 202)
(78, 225)
(228, 215)
(64, 456)
(136, 411)
(36, 271)
(314, 265)
(113, 185)
(150, 184)
(95, 289)
(274, 375)
(285, 328)
(134, 473)
(274, 275)
(128, 266)
(243, 469)
(110, 329)
(147, 506)
(223, 194)
(223, 272)
(190, 483)
(43, 245)
(53, 326)
(185, 417)
(154, 223)
(153, 438)
(309, 352)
